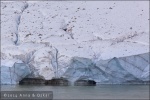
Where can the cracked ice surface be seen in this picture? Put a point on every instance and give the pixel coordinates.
(130, 69)
(96, 30)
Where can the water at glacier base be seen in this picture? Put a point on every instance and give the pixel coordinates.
(87, 92)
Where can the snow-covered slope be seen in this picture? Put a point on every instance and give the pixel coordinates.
(53, 32)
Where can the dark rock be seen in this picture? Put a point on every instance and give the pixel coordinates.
(65, 29)
(28, 81)
(137, 82)
(57, 82)
(85, 83)
(110, 8)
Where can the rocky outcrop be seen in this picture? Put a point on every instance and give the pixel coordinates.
(31, 81)
(85, 83)
(57, 82)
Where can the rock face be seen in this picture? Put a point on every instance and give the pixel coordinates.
(85, 83)
(31, 81)
(14, 74)
(57, 82)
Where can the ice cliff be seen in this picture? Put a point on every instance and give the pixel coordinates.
(45, 36)
(131, 69)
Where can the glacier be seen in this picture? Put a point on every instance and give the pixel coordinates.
(106, 41)
(14, 74)
(124, 70)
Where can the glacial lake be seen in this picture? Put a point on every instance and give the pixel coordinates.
(88, 92)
